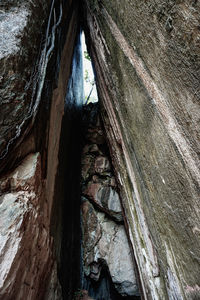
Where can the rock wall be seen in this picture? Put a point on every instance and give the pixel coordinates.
(146, 57)
(36, 48)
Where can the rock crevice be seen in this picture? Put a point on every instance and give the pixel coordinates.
(140, 169)
(105, 244)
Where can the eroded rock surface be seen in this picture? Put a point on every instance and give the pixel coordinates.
(35, 61)
(146, 56)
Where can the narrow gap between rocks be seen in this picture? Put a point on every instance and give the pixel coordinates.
(93, 254)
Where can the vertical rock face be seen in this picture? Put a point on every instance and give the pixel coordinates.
(36, 47)
(146, 56)
(105, 243)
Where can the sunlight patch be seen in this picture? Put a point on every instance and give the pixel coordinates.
(90, 91)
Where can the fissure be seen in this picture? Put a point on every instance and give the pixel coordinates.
(99, 200)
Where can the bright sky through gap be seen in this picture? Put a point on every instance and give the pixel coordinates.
(87, 67)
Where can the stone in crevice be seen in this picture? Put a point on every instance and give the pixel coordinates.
(106, 251)
(105, 198)
(110, 248)
(98, 181)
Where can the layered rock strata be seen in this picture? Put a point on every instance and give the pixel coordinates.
(146, 57)
(105, 242)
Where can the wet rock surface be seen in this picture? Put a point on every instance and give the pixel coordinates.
(35, 62)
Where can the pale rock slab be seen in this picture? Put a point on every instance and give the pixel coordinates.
(110, 246)
(25, 243)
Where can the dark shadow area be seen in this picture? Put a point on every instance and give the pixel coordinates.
(70, 245)
(71, 147)
(66, 211)
(104, 288)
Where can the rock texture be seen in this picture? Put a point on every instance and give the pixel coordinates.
(98, 181)
(36, 48)
(102, 191)
(105, 242)
(82, 295)
(146, 56)
(20, 67)
(25, 242)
